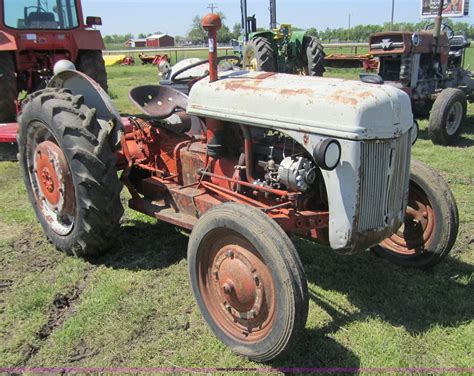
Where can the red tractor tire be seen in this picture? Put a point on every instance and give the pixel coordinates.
(92, 63)
(248, 281)
(69, 170)
(8, 88)
(431, 222)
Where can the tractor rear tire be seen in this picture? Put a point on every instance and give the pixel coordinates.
(8, 88)
(314, 58)
(69, 169)
(431, 222)
(447, 116)
(248, 281)
(259, 55)
(92, 63)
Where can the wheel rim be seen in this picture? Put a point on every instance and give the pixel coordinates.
(418, 230)
(236, 286)
(50, 179)
(251, 62)
(454, 119)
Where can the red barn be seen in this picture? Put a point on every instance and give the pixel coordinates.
(160, 40)
(135, 43)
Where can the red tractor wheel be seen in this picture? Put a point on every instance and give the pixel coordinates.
(92, 63)
(8, 88)
(431, 222)
(69, 171)
(248, 281)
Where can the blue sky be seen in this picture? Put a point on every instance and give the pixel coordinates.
(174, 17)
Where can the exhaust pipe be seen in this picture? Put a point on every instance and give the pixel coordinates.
(437, 25)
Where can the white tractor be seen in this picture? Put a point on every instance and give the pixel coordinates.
(246, 161)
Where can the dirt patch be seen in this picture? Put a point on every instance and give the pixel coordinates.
(62, 307)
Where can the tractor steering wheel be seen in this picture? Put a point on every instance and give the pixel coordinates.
(444, 27)
(197, 64)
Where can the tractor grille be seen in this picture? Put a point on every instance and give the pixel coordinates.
(384, 182)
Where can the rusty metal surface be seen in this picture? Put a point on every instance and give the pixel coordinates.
(158, 101)
(395, 42)
(418, 229)
(327, 107)
(236, 286)
(54, 178)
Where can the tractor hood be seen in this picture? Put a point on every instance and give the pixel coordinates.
(331, 107)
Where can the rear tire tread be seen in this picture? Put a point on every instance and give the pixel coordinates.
(8, 88)
(91, 161)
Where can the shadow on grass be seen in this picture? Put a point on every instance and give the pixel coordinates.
(461, 140)
(413, 299)
(145, 246)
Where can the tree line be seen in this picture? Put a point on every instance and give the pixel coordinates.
(360, 33)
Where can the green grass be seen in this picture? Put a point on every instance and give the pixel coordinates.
(133, 307)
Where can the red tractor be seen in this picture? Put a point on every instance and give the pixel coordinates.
(244, 161)
(34, 36)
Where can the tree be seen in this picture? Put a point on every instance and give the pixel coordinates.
(236, 31)
(197, 34)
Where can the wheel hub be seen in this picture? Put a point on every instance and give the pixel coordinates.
(55, 186)
(418, 227)
(238, 284)
(454, 118)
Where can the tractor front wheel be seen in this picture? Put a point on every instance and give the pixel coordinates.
(248, 281)
(259, 55)
(92, 63)
(447, 116)
(431, 222)
(314, 58)
(69, 171)
(8, 88)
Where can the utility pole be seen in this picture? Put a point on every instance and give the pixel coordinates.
(349, 32)
(393, 15)
(212, 6)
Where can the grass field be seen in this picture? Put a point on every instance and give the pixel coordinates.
(133, 306)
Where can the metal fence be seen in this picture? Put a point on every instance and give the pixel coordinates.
(175, 51)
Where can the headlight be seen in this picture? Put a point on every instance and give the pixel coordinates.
(328, 154)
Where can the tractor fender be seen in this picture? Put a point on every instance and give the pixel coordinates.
(7, 42)
(297, 42)
(89, 40)
(94, 97)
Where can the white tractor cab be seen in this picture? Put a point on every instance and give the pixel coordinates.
(244, 161)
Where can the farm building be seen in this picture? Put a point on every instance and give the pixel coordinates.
(135, 43)
(160, 40)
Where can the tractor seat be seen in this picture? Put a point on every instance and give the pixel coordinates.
(40, 17)
(163, 103)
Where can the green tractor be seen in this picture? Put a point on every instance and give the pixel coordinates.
(280, 49)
